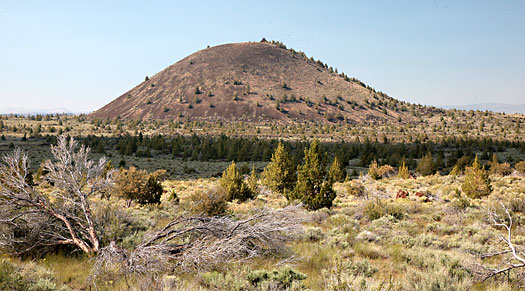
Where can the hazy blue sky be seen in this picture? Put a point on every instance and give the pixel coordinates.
(82, 54)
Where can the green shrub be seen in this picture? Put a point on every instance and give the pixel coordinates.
(284, 277)
(10, 277)
(363, 268)
(376, 209)
(233, 184)
(28, 277)
(314, 234)
(477, 183)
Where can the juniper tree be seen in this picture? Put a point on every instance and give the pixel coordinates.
(477, 182)
(403, 172)
(426, 165)
(279, 175)
(337, 171)
(314, 186)
(234, 185)
(373, 170)
(252, 182)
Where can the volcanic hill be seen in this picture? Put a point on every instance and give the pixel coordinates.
(254, 81)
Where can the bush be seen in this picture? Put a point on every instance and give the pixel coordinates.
(357, 189)
(520, 167)
(376, 209)
(385, 171)
(28, 277)
(211, 202)
(284, 277)
(503, 169)
(477, 183)
(139, 186)
(234, 186)
(10, 277)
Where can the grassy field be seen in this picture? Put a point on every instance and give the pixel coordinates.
(412, 244)
(370, 241)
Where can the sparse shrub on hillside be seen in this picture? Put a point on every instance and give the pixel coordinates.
(498, 168)
(385, 171)
(520, 167)
(313, 187)
(403, 172)
(279, 175)
(211, 202)
(426, 165)
(234, 185)
(377, 208)
(477, 182)
(357, 189)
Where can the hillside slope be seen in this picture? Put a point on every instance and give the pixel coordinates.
(254, 81)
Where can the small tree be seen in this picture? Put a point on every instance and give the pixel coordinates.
(279, 175)
(252, 182)
(426, 165)
(373, 170)
(477, 182)
(337, 171)
(139, 186)
(403, 172)
(234, 185)
(313, 186)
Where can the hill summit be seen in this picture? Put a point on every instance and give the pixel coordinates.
(254, 81)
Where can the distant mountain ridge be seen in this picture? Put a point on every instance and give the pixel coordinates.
(25, 111)
(494, 107)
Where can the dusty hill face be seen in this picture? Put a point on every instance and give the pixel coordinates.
(253, 82)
